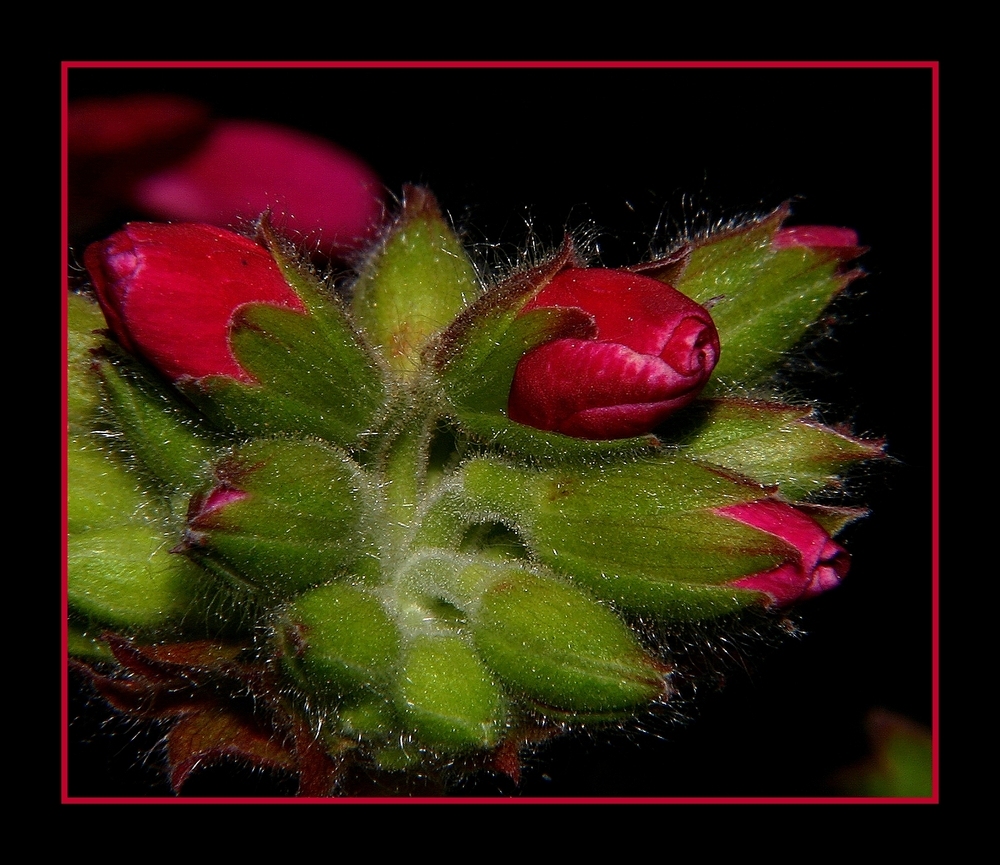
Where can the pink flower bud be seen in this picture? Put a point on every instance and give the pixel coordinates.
(818, 562)
(169, 293)
(814, 236)
(245, 167)
(652, 352)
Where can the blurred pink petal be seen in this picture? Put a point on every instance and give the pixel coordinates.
(115, 141)
(315, 189)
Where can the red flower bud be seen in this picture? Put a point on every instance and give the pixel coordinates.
(169, 293)
(819, 563)
(653, 351)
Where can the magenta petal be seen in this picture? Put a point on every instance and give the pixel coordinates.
(784, 584)
(817, 564)
(139, 124)
(314, 187)
(814, 236)
(220, 497)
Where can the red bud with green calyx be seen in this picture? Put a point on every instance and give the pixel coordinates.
(652, 351)
(244, 330)
(152, 282)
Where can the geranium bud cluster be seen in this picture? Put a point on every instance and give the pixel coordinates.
(424, 518)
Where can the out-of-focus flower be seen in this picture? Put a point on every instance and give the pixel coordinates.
(163, 155)
(113, 142)
(323, 192)
(169, 293)
(651, 354)
(820, 563)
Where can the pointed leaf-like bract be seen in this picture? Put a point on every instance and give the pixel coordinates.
(158, 429)
(772, 444)
(415, 283)
(763, 299)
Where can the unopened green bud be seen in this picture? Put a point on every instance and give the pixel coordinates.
(102, 493)
(128, 578)
(641, 534)
(337, 640)
(765, 291)
(120, 571)
(561, 648)
(448, 697)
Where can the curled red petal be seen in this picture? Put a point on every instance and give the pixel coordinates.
(596, 390)
(653, 351)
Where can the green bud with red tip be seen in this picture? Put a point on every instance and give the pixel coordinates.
(284, 514)
(767, 285)
(647, 535)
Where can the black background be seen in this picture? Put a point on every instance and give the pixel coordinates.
(640, 152)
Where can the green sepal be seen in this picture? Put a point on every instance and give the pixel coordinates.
(415, 283)
(524, 441)
(121, 570)
(160, 431)
(638, 534)
(102, 494)
(337, 640)
(313, 380)
(448, 697)
(476, 356)
(86, 645)
(560, 648)
(127, 578)
(771, 444)
(305, 515)
(833, 520)
(84, 321)
(762, 300)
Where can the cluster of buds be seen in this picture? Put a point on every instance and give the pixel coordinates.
(453, 504)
